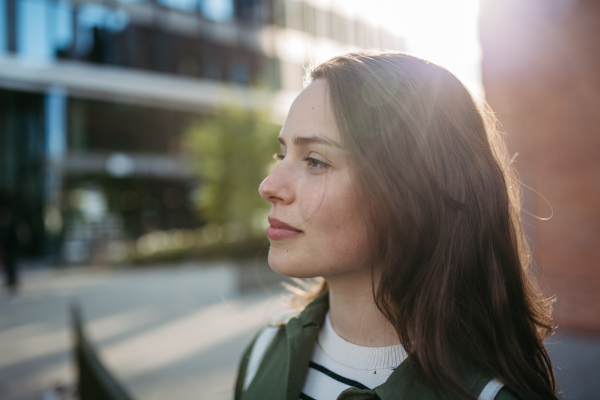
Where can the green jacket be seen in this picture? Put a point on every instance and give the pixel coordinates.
(282, 371)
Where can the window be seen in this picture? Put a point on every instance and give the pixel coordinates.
(185, 53)
(239, 72)
(189, 6)
(217, 10)
(3, 28)
(212, 68)
(248, 10)
(342, 29)
(294, 11)
(328, 24)
(43, 28)
(272, 73)
(96, 24)
(310, 19)
(130, 1)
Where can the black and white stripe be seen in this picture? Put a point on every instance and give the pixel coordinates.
(323, 384)
(338, 365)
(339, 378)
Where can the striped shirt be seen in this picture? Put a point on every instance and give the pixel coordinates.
(337, 365)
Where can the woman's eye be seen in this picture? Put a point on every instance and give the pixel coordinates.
(315, 164)
(278, 157)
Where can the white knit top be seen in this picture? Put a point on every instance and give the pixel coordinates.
(337, 365)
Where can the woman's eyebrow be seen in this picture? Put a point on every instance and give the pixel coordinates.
(306, 140)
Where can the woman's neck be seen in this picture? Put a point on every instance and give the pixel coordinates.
(353, 313)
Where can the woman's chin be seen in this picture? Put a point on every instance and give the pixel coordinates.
(286, 264)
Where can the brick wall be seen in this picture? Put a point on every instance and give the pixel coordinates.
(541, 74)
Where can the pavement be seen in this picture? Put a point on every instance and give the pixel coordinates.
(165, 333)
(576, 361)
(175, 332)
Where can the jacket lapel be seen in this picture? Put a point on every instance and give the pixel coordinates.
(301, 333)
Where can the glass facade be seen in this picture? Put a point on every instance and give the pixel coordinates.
(82, 172)
(120, 33)
(108, 34)
(96, 173)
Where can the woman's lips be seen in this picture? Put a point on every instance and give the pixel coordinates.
(280, 230)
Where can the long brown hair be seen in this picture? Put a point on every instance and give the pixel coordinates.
(443, 207)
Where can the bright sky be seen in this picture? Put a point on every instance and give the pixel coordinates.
(441, 31)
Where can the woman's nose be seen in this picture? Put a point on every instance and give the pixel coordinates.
(276, 188)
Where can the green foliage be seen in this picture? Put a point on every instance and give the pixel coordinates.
(233, 151)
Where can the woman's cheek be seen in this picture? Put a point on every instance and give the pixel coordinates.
(312, 202)
(342, 233)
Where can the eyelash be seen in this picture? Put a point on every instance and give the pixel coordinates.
(320, 165)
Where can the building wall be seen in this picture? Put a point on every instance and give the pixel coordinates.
(541, 74)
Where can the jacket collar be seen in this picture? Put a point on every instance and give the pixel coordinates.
(314, 313)
(302, 331)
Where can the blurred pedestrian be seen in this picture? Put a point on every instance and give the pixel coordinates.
(396, 191)
(9, 245)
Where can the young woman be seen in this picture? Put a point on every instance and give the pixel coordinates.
(395, 188)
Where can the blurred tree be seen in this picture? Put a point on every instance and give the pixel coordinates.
(233, 151)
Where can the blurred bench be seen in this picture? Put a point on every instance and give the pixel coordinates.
(94, 380)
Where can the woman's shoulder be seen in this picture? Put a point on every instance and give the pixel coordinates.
(267, 333)
(495, 390)
(480, 381)
(268, 343)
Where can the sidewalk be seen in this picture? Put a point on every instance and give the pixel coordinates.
(173, 333)
(576, 361)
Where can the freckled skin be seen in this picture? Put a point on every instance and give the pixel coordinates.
(323, 204)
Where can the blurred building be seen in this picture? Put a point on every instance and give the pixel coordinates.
(541, 73)
(96, 95)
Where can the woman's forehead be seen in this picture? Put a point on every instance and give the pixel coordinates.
(311, 115)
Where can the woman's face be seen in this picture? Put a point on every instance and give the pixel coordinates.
(316, 224)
